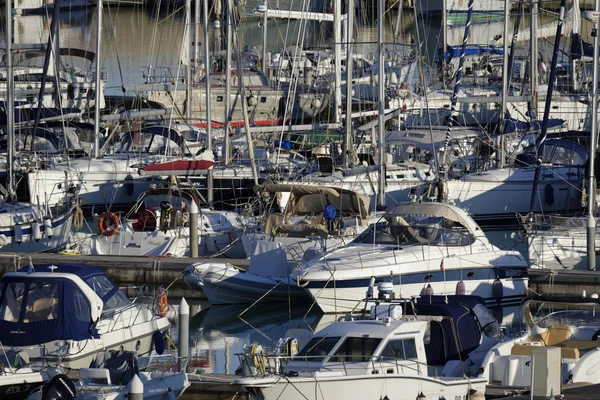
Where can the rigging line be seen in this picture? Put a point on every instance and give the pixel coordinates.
(259, 299)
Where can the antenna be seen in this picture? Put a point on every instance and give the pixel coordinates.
(52, 268)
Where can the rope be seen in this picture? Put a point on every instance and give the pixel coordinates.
(78, 217)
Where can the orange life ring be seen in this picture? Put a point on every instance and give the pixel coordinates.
(103, 227)
(163, 304)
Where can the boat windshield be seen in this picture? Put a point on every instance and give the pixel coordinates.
(546, 314)
(148, 142)
(429, 230)
(317, 349)
(489, 324)
(356, 349)
(110, 294)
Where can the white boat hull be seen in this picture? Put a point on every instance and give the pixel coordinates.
(369, 387)
(335, 297)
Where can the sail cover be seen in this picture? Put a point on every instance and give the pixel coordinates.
(36, 310)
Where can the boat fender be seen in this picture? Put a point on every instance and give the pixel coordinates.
(129, 185)
(475, 395)
(58, 388)
(159, 342)
(498, 290)
(460, 288)
(48, 227)
(3, 239)
(292, 347)
(35, 231)
(428, 290)
(18, 234)
(549, 194)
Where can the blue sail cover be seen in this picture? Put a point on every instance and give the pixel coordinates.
(36, 310)
(580, 47)
(514, 125)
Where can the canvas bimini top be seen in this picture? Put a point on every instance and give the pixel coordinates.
(47, 302)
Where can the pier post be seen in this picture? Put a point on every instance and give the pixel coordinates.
(136, 388)
(184, 335)
(194, 229)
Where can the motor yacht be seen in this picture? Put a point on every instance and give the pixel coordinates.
(66, 314)
(568, 322)
(422, 248)
(383, 355)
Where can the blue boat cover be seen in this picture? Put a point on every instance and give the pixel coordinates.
(36, 310)
(454, 51)
(514, 125)
(459, 331)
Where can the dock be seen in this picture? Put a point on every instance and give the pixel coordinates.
(125, 271)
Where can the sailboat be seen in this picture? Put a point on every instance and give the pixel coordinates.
(25, 226)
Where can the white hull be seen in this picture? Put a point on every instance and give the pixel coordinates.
(341, 300)
(60, 236)
(135, 337)
(174, 243)
(370, 387)
(488, 199)
(107, 183)
(561, 250)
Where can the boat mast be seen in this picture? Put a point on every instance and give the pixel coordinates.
(209, 146)
(188, 66)
(264, 41)
(10, 102)
(98, 82)
(505, 79)
(227, 144)
(444, 41)
(243, 99)
(346, 155)
(441, 197)
(533, 62)
(591, 225)
(381, 105)
(337, 59)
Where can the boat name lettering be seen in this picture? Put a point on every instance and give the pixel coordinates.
(17, 389)
(18, 332)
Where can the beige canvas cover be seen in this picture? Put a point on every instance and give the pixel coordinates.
(446, 211)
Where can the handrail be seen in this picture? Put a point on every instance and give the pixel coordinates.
(261, 365)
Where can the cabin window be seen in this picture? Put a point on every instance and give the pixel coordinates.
(110, 294)
(42, 302)
(81, 307)
(11, 303)
(318, 348)
(356, 349)
(404, 349)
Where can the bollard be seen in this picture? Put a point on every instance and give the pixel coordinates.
(193, 230)
(136, 389)
(184, 335)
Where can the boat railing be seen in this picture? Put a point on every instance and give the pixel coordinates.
(262, 365)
